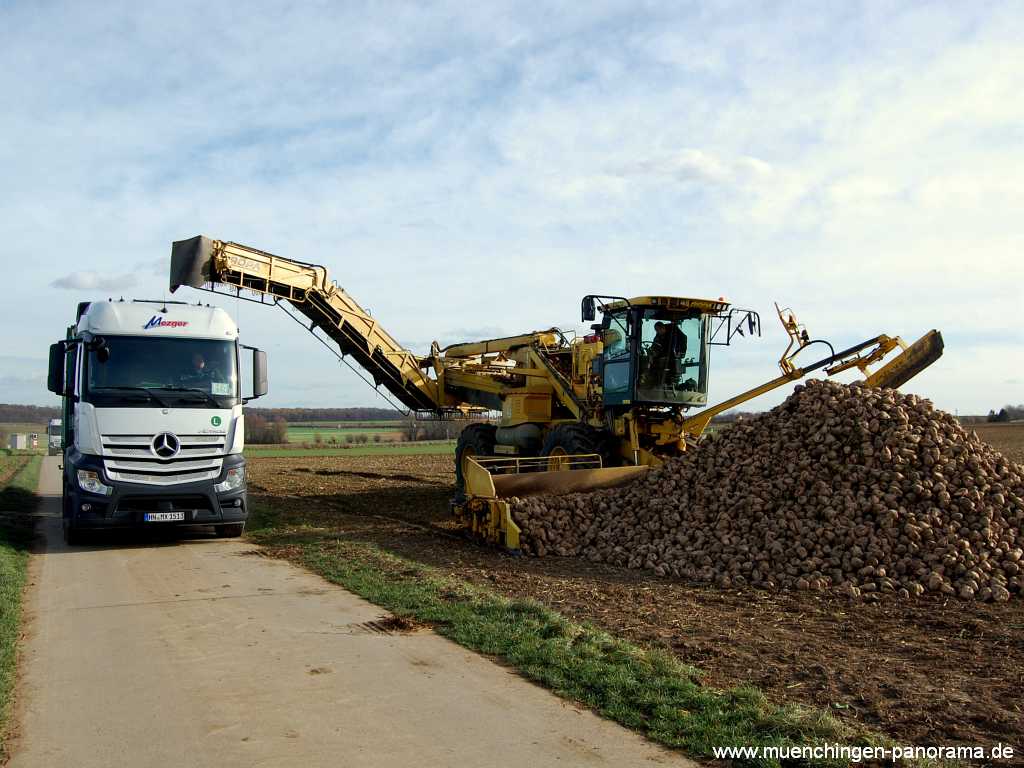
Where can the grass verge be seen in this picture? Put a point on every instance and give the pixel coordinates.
(17, 502)
(646, 690)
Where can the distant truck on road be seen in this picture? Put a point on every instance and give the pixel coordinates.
(153, 428)
(54, 438)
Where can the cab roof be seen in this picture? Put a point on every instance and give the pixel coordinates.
(156, 318)
(672, 302)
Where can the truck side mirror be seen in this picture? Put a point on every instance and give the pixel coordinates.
(259, 373)
(589, 310)
(55, 374)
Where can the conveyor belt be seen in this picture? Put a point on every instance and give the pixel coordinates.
(200, 262)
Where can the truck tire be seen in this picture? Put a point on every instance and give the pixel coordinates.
(572, 440)
(232, 531)
(72, 534)
(474, 440)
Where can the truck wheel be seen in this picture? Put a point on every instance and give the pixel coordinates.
(474, 440)
(572, 440)
(72, 534)
(229, 531)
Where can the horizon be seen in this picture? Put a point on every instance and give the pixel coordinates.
(742, 409)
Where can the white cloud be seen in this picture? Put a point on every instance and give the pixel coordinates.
(694, 165)
(89, 280)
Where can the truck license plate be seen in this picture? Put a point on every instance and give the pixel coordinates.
(163, 517)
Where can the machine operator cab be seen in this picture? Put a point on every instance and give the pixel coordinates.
(655, 349)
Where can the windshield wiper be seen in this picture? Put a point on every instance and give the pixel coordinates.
(196, 391)
(144, 390)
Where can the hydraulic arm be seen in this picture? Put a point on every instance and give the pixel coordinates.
(897, 371)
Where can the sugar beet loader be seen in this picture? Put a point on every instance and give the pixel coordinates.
(606, 405)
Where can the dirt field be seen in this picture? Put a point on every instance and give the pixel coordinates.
(1008, 438)
(928, 671)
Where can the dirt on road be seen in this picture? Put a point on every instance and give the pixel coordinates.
(187, 650)
(928, 671)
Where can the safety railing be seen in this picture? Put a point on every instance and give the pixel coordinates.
(512, 465)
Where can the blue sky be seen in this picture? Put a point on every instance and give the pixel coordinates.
(474, 169)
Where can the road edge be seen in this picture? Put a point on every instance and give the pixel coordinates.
(10, 715)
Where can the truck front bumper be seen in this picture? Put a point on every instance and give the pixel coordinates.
(128, 504)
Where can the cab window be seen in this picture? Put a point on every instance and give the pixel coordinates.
(673, 364)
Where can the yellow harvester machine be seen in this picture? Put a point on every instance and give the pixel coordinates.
(606, 405)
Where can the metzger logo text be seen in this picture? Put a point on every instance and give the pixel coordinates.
(158, 322)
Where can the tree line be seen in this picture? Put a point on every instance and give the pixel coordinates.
(28, 414)
(300, 415)
(1007, 413)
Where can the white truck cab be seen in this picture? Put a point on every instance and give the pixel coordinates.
(153, 423)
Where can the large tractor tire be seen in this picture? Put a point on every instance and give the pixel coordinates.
(476, 440)
(573, 440)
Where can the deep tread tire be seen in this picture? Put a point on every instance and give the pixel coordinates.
(575, 439)
(232, 531)
(476, 440)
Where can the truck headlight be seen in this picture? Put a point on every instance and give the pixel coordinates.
(90, 481)
(233, 480)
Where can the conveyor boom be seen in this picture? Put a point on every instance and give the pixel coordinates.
(201, 262)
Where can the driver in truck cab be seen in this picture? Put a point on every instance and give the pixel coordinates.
(197, 370)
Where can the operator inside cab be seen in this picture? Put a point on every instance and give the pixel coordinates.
(667, 348)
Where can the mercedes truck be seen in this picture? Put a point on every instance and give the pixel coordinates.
(153, 427)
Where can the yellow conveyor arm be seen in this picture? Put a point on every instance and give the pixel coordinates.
(201, 262)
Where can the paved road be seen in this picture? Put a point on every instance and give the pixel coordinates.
(197, 652)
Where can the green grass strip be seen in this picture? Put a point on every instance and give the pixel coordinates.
(646, 690)
(17, 502)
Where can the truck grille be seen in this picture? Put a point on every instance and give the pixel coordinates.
(131, 459)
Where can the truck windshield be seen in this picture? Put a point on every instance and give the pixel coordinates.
(145, 372)
(673, 358)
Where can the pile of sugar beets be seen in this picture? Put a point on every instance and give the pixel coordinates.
(842, 487)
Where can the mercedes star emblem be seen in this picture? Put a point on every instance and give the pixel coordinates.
(166, 445)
